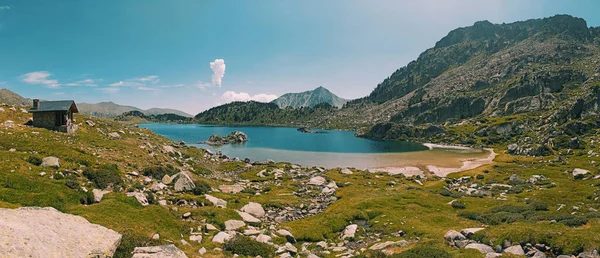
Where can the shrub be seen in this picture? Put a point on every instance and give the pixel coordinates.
(103, 176)
(34, 160)
(444, 192)
(539, 205)
(58, 176)
(480, 177)
(201, 188)
(458, 205)
(159, 172)
(87, 198)
(242, 245)
(72, 184)
(151, 199)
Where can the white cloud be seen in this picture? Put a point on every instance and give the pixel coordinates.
(151, 79)
(203, 85)
(144, 88)
(40, 77)
(110, 90)
(85, 82)
(126, 84)
(181, 85)
(230, 96)
(4, 8)
(218, 68)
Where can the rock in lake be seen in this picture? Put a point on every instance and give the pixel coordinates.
(304, 130)
(233, 138)
(163, 251)
(46, 232)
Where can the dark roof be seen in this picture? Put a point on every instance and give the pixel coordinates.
(60, 105)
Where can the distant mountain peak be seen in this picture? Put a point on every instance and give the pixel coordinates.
(319, 95)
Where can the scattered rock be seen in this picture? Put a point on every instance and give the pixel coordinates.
(156, 236)
(318, 181)
(452, 235)
(263, 238)
(202, 251)
(248, 218)
(98, 194)
(254, 209)
(114, 136)
(234, 224)
(216, 201)
(183, 182)
(515, 249)
(221, 237)
(44, 232)
(196, 238)
(163, 251)
(51, 162)
(484, 249)
(140, 197)
(580, 173)
(167, 180)
(231, 188)
(349, 231)
(346, 171)
(468, 232)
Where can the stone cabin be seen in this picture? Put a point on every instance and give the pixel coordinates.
(54, 115)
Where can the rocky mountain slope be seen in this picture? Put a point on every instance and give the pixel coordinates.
(310, 98)
(11, 98)
(111, 109)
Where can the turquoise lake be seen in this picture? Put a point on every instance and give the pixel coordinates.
(331, 148)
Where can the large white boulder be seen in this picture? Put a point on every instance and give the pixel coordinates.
(484, 249)
(254, 209)
(515, 249)
(221, 237)
(98, 194)
(183, 182)
(248, 218)
(163, 251)
(46, 232)
(349, 231)
(234, 224)
(216, 201)
(51, 162)
(318, 181)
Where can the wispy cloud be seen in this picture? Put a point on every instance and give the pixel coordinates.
(136, 82)
(230, 96)
(203, 85)
(144, 88)
(218, 68)
(110, 90)
(59, 93)
(181, 85)
(4, 8)
(85, 82)
(40, 78)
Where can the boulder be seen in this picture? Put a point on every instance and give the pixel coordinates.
(484, 249)
(231, 188)
(51, 162)
(318, 181)
(140, 197)
(468, 232)
(98, 194)
(47, 232)
(515, 249)
(168, 149)
(9, 123)
(202, 251)
(580, 173)
(221, 237)
(210, 227)
(114, 136)
(254, 209)
(349, 231)
(263, 238)
(492, 255)
(452, 235)
(346, 171)
(234, 224)
(216, 201)
(248, 218)
(388, 244)
(166, 180)
(163, 251)
(196, 238)
(183, 182)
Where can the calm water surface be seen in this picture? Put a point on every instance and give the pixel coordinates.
(329, 149)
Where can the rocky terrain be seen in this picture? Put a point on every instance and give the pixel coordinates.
(311, 99)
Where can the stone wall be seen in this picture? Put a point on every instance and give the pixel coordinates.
(44, 120)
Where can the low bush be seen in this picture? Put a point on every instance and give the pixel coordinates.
(201, 188)
(104, 176)
(159, 172)
(34, 160)
(72, 184)
(459, 205)
(242, 245)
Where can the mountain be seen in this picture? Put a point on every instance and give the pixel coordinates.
(312, 98)
(111, 109)
(138, 116)
(11, 98)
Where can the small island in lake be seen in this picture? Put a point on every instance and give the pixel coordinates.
(234, 137)
(308, 130)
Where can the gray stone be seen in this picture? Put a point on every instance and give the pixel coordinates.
(114, 136)
(46, 232)
(202, 251)
(484, 249)
(578, 172)
(167, 180)
(263, 238)
(318, 181)
(254, 209)
(51, 162)
(196, 238)
(346, 171)
(349, 231)
(234, 224)
(183, 182)
(468, 232)
(247, 217)
(454, 235)
(515, 249)
(221, 237)
(140, 197)
(98, 194)
(216, 201)
(163, 251)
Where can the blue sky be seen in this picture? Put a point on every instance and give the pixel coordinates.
(151, 53)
